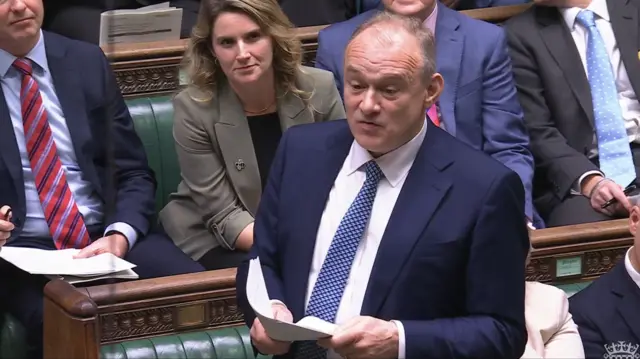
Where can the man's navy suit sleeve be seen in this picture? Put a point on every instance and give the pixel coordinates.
(494, 326)
(506, 135)
(133, 179)
(265, 238)
(592, 340)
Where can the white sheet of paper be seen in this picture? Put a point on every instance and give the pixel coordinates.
(307, 328)
(72, 279)
(61, 262)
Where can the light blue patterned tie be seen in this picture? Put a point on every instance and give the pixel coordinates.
(613, 144)
(327, 292)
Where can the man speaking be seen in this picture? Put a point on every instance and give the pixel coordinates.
(410, 241)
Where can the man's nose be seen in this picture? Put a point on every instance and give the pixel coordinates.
(369, 103)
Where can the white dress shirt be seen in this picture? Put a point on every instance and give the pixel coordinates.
(395, 166)
(633, 273)
(627, 99)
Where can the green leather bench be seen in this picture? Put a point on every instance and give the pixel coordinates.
(228, 343)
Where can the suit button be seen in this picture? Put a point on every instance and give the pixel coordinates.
(17, 222)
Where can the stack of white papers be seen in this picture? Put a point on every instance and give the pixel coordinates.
(159, 22)
(307, 328)
(61, 264)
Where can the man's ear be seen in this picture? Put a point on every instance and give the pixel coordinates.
(634, 220)
(434, 89)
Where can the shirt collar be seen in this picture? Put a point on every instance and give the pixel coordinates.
(395, 165)
(633, 273)
(598, 7)
(430, 22)
(38, 55)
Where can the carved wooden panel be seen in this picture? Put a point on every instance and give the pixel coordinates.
(540, 269)
(136, 323)
(148, 322)
(602, 261)
(588, 264)
(148, 80)
(224, 312)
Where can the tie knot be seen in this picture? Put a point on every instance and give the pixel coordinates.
(24, 66)
(586, 18)
(373, 171)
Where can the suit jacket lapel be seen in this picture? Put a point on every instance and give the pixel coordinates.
(624, 20)
(291, 109)
(419, 198)
(628, 306)
(9, 150)
(319, 175)
(234, 138)
(558, 40)
(69, 89)
(449, 48)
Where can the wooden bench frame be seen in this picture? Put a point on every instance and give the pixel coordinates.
(77, 321)
(146, 69)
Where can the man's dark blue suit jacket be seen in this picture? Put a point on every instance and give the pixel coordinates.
(99, 121)
(450, 265)
(607, 312)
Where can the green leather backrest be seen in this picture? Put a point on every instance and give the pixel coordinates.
(12, 338)
(153, 121)
(227, 343)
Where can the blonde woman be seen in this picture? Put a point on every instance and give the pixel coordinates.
(247, 86)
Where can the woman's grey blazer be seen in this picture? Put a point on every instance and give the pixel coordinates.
(221, 186)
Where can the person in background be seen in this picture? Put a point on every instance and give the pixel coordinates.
(578, 77)
(607, 312)
(73, 172)
(552, 334)
(247, 87)
(389, 227)
(478, 104)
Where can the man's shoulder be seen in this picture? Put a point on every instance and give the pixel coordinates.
(477, 29)
(342, 31)
(526, 22)
(71, 48)
(594, 296)
(315, 136)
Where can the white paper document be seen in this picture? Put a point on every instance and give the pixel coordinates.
(307, 328)
(62, 263)
(158, 22)
(72, 279)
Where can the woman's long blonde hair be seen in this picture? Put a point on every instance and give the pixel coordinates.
(199, 60)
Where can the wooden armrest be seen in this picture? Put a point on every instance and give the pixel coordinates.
(77, 321)
(580, 233)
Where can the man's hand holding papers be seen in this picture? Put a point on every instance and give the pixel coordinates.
(261, 339)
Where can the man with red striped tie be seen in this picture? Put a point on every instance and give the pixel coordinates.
(61, 107)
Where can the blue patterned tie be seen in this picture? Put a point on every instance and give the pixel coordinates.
(613, 144)
(327, 292)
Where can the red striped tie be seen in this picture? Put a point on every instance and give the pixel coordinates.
(63, 217)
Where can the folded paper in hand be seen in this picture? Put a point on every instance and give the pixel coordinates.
(62, 263)
(307, 328)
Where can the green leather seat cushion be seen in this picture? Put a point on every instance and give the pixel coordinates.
(227, 343)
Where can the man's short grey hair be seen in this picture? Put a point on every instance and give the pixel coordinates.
(413, 27)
